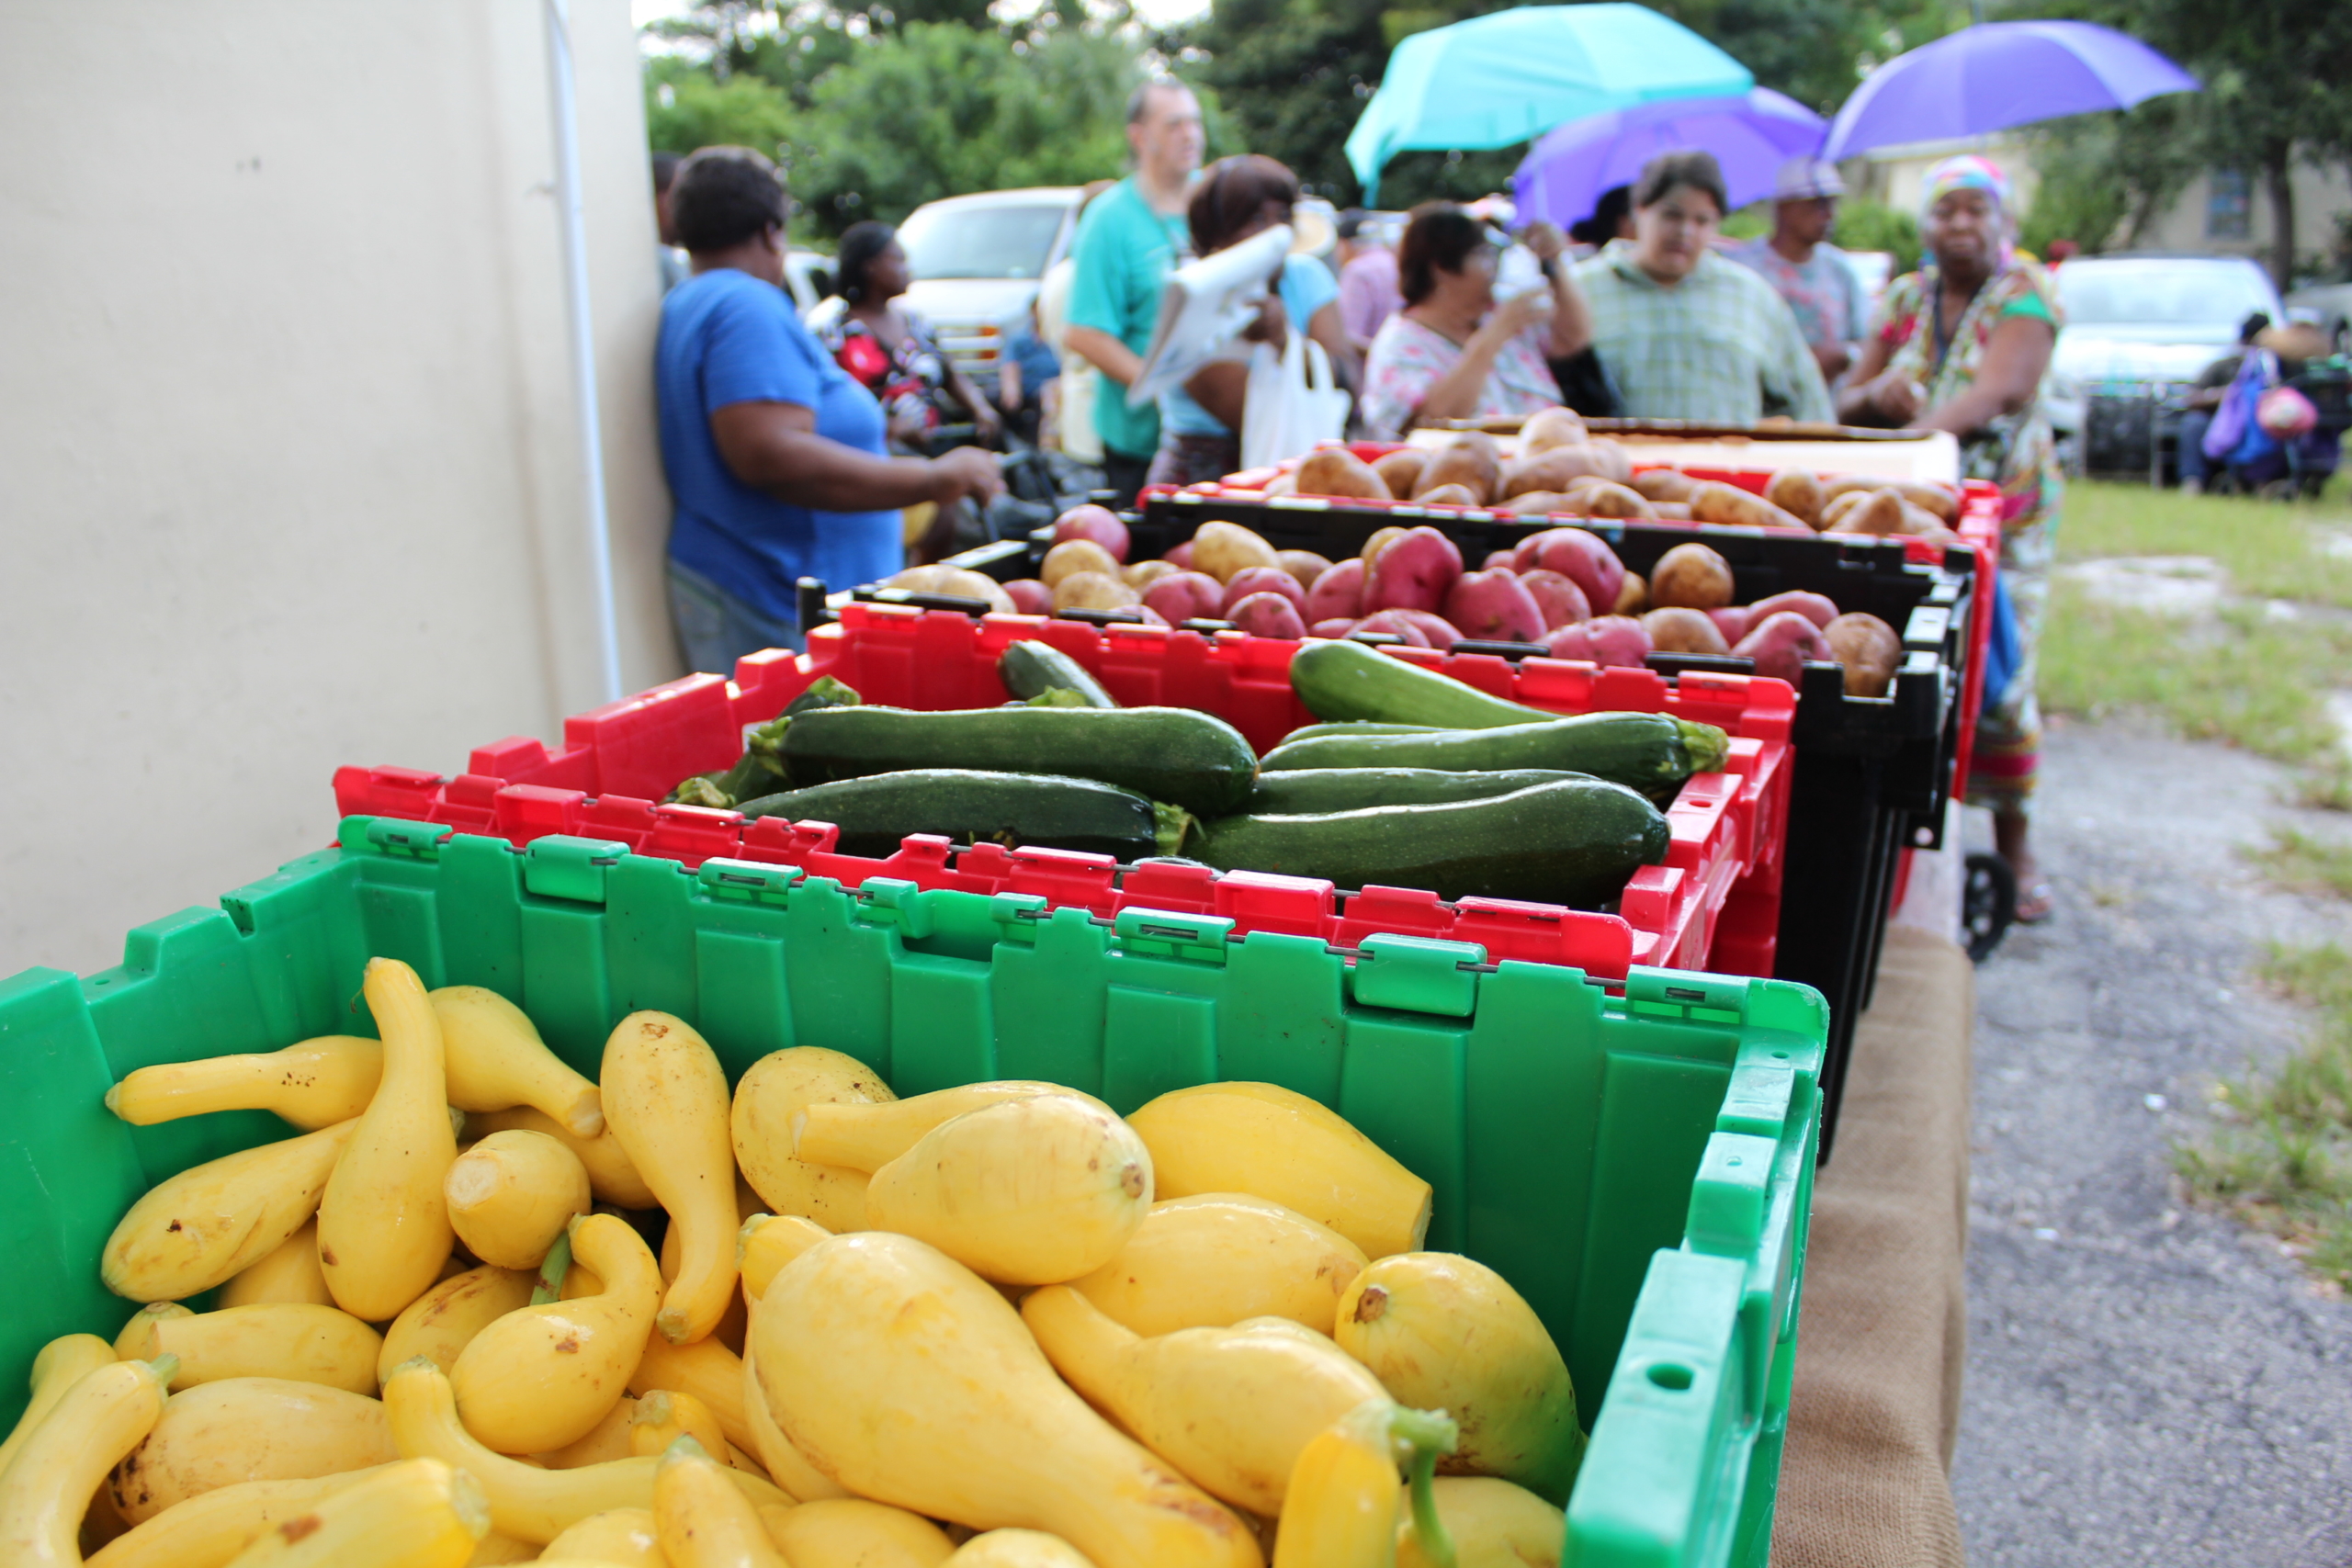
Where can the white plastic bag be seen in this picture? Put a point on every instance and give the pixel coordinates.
(1292, 401)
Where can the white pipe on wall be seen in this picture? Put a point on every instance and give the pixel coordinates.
(583, 339)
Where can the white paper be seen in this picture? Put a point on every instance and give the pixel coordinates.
(1208, 304)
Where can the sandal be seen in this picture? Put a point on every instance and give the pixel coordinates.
(2035, 905)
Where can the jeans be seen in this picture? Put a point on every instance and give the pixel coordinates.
(716, 627)
(2193, 425)
(1125, 474)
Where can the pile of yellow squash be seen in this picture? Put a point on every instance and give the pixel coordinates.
(996, 1326)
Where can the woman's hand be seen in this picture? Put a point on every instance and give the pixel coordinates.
(966, 470)
(1272, 325)
(1545, 240)
(1896, 397)
(986, 424)
(1515, 315)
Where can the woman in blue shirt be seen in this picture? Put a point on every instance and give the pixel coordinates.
(1200, 422)
(775, 455)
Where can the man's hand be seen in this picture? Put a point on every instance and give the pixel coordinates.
(986, 424)
(1545, 240)
(966, 470)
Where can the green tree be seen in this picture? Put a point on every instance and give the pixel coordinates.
(687, 107)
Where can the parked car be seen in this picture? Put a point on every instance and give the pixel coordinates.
(977, 261)
(2328, 306)
(808, 278)
(2138, 329)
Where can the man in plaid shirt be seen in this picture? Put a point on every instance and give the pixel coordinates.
(1687, 333)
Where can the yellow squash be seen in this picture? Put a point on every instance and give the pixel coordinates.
(543, 1376)
(207, 1530)
(665, 1098)
(58, 1366)
(883, 1360)
(702, 1519)
(1018, 1549)
(416, 1514)
(608, 1440)
(383, 1225)
(441, 1323)
(511, 1194)
(768, 1242)
(1493, 1525)
(497, 1061)
(525, 1502)
(238, 1430)
(494, 1548)
(304, 1344)
(135, 1343)
(729, 1329)
(706, 1370)
(1211, 1260)
(625, 1537)
(192, 1231)
(1341, 1508)
(774, 1090)
(774, 1451)
(314, 1083)
(290, 1274)
(1444, 1332)
(851, 1532)
(662, 1417)
(867, 1134)
(1232, 1408)
(1262, 1139)
(610, 1174)
(1028, 1191)
(56, 1470)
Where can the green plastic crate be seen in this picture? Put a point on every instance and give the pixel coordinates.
(1639, 1167)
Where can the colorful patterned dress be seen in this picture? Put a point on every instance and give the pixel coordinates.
(2016, 452)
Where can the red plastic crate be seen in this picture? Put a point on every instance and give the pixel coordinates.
(1713, 903)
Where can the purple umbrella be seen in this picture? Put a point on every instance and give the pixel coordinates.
(1751, 136)
(1997, 74)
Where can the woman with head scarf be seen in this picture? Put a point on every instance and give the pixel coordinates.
(1961, 345)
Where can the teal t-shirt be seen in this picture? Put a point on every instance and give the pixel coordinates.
(1121, 258)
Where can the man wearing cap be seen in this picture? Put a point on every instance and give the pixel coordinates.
(1807, 271)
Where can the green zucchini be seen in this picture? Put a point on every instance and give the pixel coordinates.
(1176, 755)
(1571, 842)
(760, 770)
(1031, 669)
(1358, 726)
(1303, 790)
(1648, 752)
(968, 806)
(1338, 679)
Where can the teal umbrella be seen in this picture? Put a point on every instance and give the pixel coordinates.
(1509, 76)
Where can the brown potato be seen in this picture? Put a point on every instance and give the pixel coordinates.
(1603, 498)
(1691, 577)
(1337, 472)
(1381, 539)
(1144, 574)
(1092, 591)
(1304, 565)
(1934, 497)
(1616, 463)
(1537, 503)
(1712, 502)
(1401, 469)
(1835, 512)
(1078, 554)
(1869, 649)
(1679, 630)
(1672, 511)
(968, 584)
(1550, 428)
(1879, 512)
(1663, 484)
(1554, 471)
(1284, 483)
(1633, 595)
(1471, 460)
(1221, 550)
(1449, 495)
(1798, 494)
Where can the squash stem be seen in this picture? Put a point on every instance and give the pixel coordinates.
(552, 1269)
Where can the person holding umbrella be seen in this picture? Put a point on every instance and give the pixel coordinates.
(1961, 346)
(1797, 259)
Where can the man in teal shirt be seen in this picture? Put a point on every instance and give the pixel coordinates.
(1129, 239)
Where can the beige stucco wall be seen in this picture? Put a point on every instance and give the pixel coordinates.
(291, 467)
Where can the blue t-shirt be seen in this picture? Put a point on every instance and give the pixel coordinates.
(1306, 287)
(729, 338)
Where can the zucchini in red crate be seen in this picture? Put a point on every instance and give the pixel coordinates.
(1175, 755)
(1040, 672)
(1297, 792)
(1338, 679)
(1575, 841)
(1652, 752)
(969, 806)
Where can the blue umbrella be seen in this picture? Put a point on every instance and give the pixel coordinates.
(1751, 136)
(1997, 74)
(1512, 76)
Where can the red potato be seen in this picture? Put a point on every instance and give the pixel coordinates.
(1381, 539)
(1415, 572)
(1338, 592)
(1814, 608)
(1262, 580)
(1336, 626)
(1186, 596)
(1606, 640)
(1494, 605)
(1557, 598)
(1732, 621)
(1304, 565)
(1029, 596)
(1781, 644)
(1180, 556)
(1395, 624)
(1679, 630)
(1582, 558)
(1268, 614)
(1442, 633)
(1099, 524)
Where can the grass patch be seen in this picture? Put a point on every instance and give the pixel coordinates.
(2249, 679)
(2280, 1158)
(2301, 863)
(2270, 550)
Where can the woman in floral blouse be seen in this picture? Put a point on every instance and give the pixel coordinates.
(1961, 345)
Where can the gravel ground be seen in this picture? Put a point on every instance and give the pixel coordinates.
(2146, 1382)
